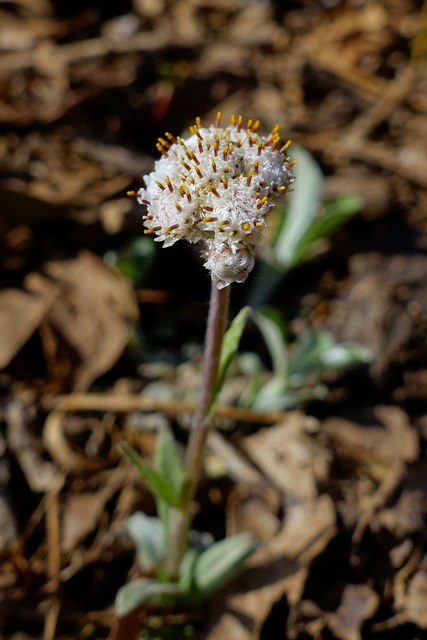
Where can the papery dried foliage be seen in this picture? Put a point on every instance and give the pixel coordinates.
(84, 312)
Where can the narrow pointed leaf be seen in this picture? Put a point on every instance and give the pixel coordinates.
(221, 562)
(135, 593)
(148, 536)
(303, 203)
(158, 485)
(334, 214)
(186, 571)
(168, 462)
(273, 330)
(229, 347)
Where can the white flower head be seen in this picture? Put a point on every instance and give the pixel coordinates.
(217, 187)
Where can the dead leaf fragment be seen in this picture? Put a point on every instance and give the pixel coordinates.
(21, 312)
(84, 311)
(416, 600)
(289, 457)
(359, 602)
(94, 316)
(394, 442)
(81, 516)
(278, 567)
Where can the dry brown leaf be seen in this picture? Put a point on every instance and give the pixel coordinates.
(254, 508)
(21, 312)
(359, 603)
(39, 473)
(69, 457)
(416, 600)
(289, 457)
(403, 518)
(81, 516)
(396, 442)
(255, 26)
(93, 316)
(84, 311)
(277, 568)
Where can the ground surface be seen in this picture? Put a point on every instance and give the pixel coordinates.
(336, 492)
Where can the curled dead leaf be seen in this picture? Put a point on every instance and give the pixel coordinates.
(67, 455)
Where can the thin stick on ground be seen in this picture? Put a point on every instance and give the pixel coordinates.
(201, 425)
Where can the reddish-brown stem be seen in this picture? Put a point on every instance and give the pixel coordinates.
(180, 520)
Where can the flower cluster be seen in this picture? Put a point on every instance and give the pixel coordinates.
(217, 187)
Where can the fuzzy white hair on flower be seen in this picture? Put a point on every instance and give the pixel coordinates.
(217, 187)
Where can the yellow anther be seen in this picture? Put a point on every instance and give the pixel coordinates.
(194, 157)
(233, 119)
(160, 148)
(245, 226)
(169, 184)
(218, 119)
(178, 206)
(258, 223)
(285, 146)
(224, 222)
(213, 190)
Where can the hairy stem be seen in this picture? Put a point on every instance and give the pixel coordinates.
(180, 520)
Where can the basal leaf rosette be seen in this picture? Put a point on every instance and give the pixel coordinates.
(217, 187)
